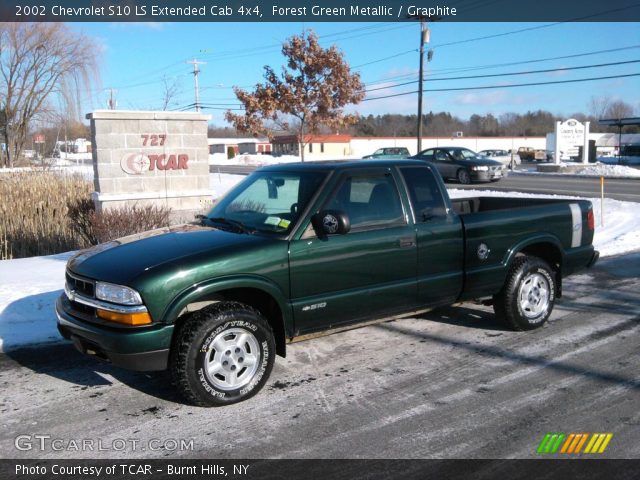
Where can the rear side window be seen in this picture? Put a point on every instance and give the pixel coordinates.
(370, 201)
(424, 192)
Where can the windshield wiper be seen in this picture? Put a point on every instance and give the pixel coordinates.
(241, 227)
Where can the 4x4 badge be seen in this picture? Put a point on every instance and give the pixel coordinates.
(483, 251)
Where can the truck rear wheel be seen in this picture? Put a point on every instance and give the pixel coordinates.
(222, 354)
(526, 300)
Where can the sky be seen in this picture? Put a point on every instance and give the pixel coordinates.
(138, 58)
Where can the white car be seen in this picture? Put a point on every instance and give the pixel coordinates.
(502, 156)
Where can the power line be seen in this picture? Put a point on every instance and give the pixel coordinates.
(529, 72)
(505, 86)
(509, 64)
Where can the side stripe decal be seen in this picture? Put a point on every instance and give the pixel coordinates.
(576, 224)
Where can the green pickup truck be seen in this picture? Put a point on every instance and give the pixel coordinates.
(298, 250)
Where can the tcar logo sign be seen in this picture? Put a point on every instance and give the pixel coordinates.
(138, 163)
(135, 163)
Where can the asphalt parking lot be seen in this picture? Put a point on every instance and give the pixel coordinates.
(450, 384)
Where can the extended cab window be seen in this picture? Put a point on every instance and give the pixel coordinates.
(370, 201)
(424, 192)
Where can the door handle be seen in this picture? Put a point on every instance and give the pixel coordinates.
(407, 242)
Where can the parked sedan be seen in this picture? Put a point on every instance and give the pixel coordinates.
(389, 153)
(463, 164)
(502, 156)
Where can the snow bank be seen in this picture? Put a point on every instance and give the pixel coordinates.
(600, 169)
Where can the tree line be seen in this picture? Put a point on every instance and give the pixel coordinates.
(530, 124)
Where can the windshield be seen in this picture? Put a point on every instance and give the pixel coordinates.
(269, 202)
(461, 153)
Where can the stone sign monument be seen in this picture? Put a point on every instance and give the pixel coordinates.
(157, 158)
(570, 136)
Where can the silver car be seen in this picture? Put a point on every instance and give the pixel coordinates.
(502, 156)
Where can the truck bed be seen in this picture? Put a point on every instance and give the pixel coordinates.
(558, 227)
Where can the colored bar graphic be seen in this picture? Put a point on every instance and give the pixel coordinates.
(565, 447)
(572, 443)
(543, 443)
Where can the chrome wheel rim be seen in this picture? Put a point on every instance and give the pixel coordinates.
(233, 359)
(534, 295)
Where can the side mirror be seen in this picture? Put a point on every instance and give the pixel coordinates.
(331, 222)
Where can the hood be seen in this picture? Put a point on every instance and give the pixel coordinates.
(122, 260)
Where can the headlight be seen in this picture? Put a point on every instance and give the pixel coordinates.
(481, 168)
(117, 294)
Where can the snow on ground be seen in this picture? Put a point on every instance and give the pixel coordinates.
(259, 160)
(221, 183)
(600, 169)
(29, 287)
(85, 171)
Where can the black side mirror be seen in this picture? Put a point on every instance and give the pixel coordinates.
(331, 222)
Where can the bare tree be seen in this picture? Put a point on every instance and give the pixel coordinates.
(170, 90)
(39, 61)
(598, 106)
(619, 109)
(309, 93)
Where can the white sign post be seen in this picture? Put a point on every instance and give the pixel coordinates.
(570, 136)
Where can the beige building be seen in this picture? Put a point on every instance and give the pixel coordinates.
(320, 146)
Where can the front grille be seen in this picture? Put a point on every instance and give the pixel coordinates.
(83, 286)
(82, 308)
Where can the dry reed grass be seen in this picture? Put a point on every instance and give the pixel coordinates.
(34, 214)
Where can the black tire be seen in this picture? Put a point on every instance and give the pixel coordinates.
(463, 177)
(193, 349)
(526, 300)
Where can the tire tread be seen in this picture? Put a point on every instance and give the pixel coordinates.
(184, 338)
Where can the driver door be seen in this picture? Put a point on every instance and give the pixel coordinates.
(369, 271)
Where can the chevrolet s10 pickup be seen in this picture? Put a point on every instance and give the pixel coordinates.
(298, 250)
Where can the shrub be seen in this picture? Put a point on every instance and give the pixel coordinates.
(111, 224)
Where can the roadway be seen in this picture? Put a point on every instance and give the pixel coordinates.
(616, 188)
(453, 383)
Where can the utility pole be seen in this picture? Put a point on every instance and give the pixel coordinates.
(425, 34)
(112, 102)
(196, 71)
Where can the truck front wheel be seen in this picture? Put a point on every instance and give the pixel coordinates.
(222, 354)
(526, 300)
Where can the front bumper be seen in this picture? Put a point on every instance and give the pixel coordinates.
(142, 348)
(487, 176)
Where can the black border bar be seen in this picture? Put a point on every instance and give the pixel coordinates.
(575, 468)
(319, 10)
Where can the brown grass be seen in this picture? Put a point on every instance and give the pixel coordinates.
(43, 213)
(34, 215)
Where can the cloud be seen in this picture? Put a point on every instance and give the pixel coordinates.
(494, 97)
(558, 73)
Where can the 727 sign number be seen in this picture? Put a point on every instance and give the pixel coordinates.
(153, 140)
